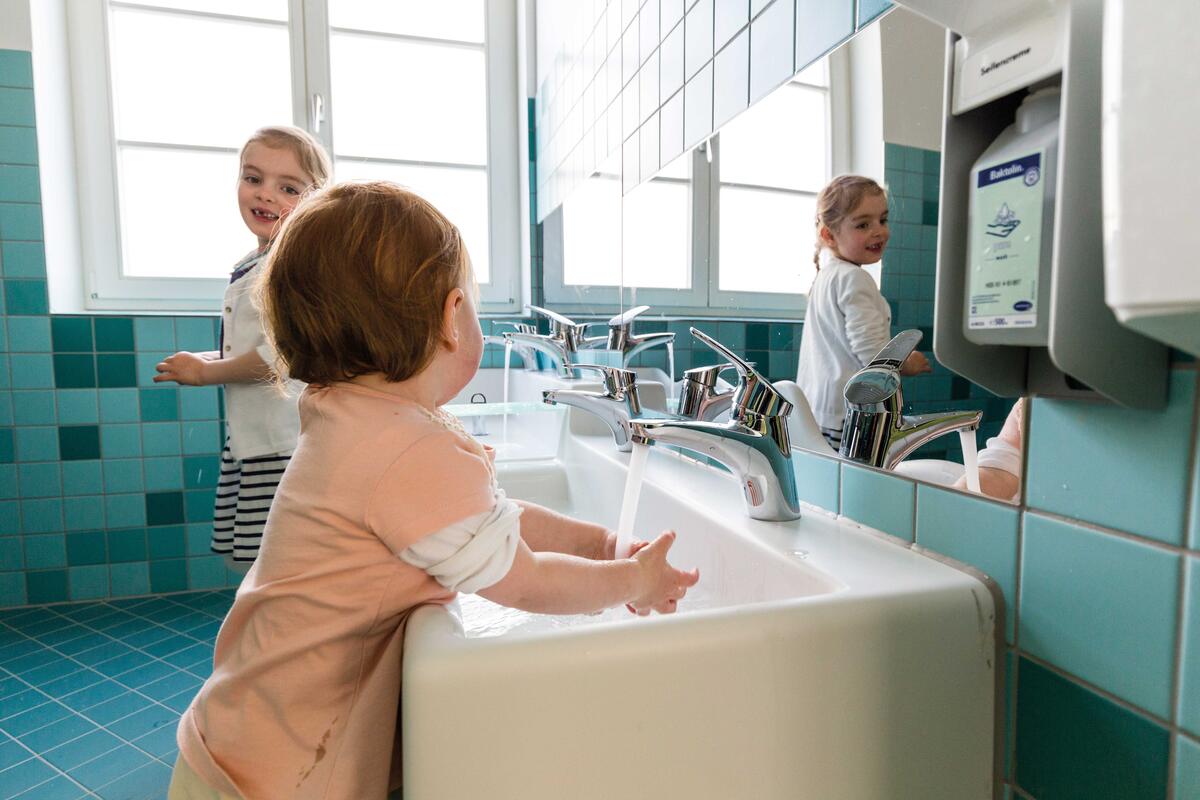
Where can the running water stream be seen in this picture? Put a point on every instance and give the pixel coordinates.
(970, 459)
(507, 358)
(629, 503)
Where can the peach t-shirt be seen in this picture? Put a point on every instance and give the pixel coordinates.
(305, 689)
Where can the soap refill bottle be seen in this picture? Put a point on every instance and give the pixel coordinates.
(1011, 220)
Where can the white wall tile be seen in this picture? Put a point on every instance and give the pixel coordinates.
(648, 29)
(731, 84)
(698, 40)
(698, 106)
(670, 129)
(629, 53)
(729, 16)
(649, 147)
(757, 6)
(629, 109)
(670, 12)
(820, 24)
(648, 90)
(771, 50)
(629, 163)
(671, 63)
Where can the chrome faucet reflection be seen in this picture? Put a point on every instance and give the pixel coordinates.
(524, 352)
(753, 443)
(615, 404)
(622, 339)
(699, 395)
(876, 432)
(565, 339)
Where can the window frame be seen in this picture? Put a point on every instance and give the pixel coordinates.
(705, 298)
(98, 253)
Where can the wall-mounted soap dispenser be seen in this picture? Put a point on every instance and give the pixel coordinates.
(1151, 118)
(1020, 260)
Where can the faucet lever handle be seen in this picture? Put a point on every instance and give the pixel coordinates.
(621, 320)
(754, 394)
(899, 348)
(706, 376)
(557, 318)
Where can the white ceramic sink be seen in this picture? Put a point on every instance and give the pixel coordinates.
(814, 660)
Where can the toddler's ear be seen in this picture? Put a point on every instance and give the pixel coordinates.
(455, 303)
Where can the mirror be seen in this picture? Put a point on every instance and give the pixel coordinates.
(744, 253)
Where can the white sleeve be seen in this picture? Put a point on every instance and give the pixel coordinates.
(999, 454)
(473, 553)
(867, 330)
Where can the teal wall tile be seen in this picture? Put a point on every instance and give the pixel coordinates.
(16, 68)
(34, 371)
(84, 512)
(37, 444)
(87, 547)
(201, 472)
(116, 369)
(29, 334)
(201, 437)
(1194, 536)
(82, 477)
(123, 475)
(163, 473)
(114, 334)
(119, 405)
(77, 406)
(45, 551)
(1102, 607)
(1187, 768)
(48, 586)
(10, 517)
(976, 532)
(74, 371)
(16, 106)
(125, 510)
(199, 402)
(127, 545)
(1189, 679)
(129, 579)
(26, 297)
(7, 445)
(23, 260)
(164, 508)
(120, 441)
(159, 404)
(79, 442)
(1100, 462)
(88, 583)
(34, 407)
(12, 589)
(878, 500)
(8, 483)
(166, 541)
(12, 553)
(146, 363)
(207, 572)
(195, 334)
(154, 333)
(198, 505)
(168, 576)
(1072, 743)
(162, 439)
(40, 479)
(19, 184)
(817, 480)
(20, 221)
(199, 539)
(72, 334)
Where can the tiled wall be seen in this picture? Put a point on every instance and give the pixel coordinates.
(654, 77)
(1101, 571)
(106, 479)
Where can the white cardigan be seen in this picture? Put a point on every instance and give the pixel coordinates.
(846, 323)
(260, 419)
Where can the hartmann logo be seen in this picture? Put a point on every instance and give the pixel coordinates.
(986, 68)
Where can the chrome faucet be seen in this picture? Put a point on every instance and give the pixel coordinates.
(565, 339)
(876, 432)
(753, 443)
(699, 397)
(615, 404)
(528, 358)
(623, 340)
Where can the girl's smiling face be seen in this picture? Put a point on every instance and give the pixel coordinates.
(863, 234)
(269, 186)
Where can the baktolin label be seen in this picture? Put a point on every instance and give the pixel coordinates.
(1006, 244)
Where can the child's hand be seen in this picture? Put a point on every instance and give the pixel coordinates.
(915, 364)
(609, 548)
(184, 368)
(661, 585)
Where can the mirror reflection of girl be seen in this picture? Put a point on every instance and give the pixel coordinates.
(847, 320)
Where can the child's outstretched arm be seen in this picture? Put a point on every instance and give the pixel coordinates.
(553, 583)
(545, 530)
(207, 369)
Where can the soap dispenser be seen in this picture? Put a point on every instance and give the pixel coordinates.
(1011, 222)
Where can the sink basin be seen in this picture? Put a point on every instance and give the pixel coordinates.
(814, 659)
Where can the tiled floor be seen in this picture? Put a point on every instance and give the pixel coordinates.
(90, 693)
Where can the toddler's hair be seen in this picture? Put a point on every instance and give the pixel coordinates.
(356, 283)
(309, 152)
(837, 200)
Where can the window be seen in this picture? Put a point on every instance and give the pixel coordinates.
(725, 228)
(166, 92)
